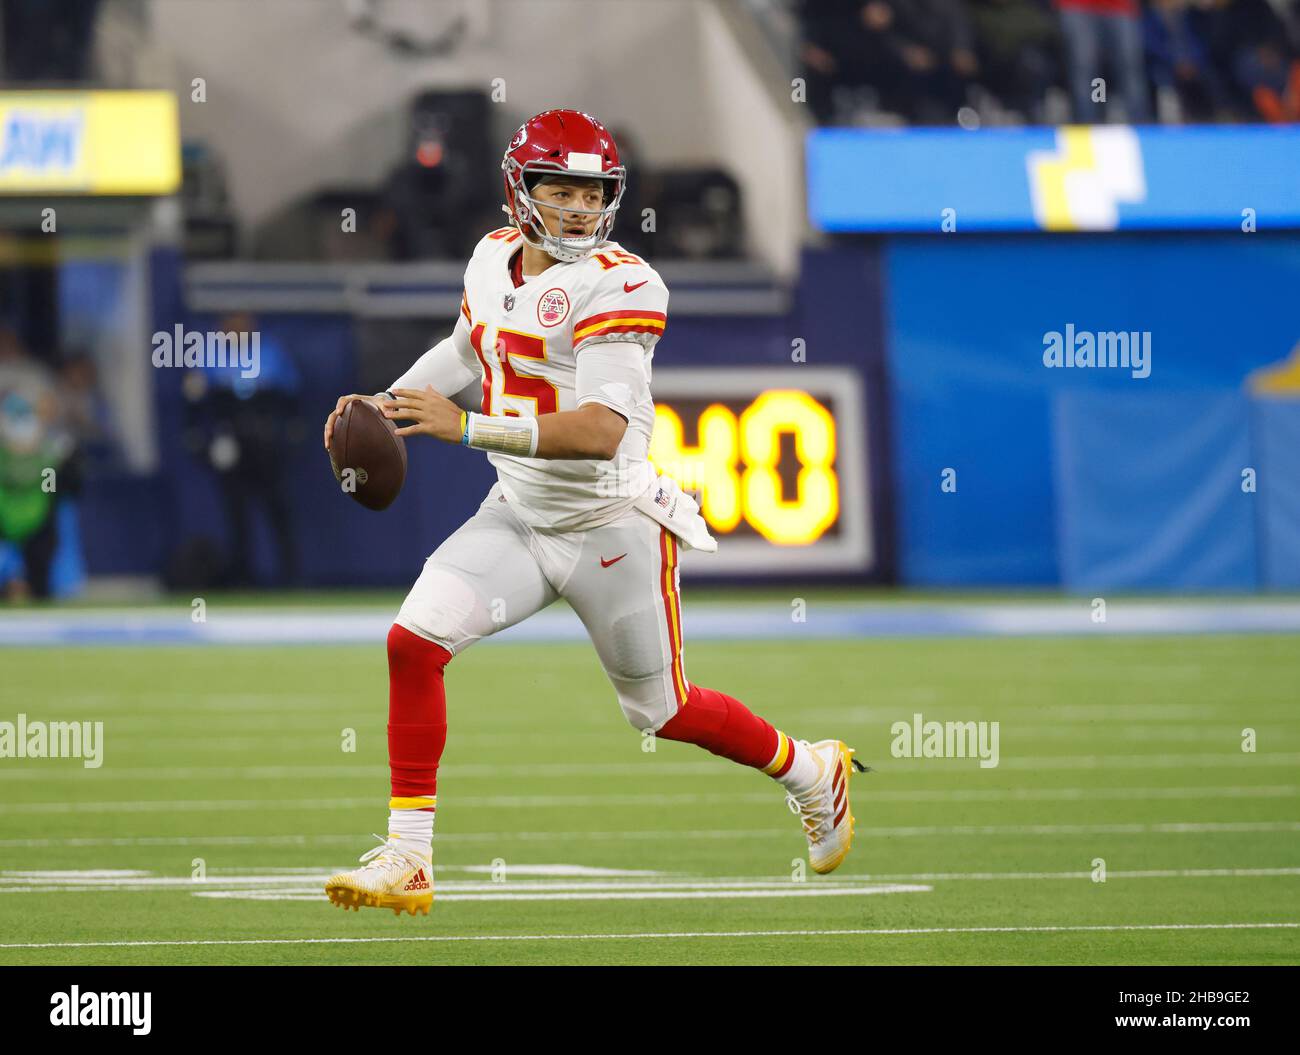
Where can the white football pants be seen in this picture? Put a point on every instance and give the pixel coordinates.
(622, 579)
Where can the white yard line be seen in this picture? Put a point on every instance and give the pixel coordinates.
(1165, 828)
(659, 935)
(217, 746)
(1223, 728)
(274, 805)
(1150, 873)
(1198, 760)
(41, 770)
(655, 799)
(360, 841)
(899, 703)
(379, 773)
(1208, 791)
(305, 883)
(788, 890)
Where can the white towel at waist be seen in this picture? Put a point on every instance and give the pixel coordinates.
(665, 501)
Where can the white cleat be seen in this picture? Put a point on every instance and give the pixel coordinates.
(824, 808)
(393, 877)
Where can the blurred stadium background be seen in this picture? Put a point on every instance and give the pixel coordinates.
(872, 216)
(316, 172)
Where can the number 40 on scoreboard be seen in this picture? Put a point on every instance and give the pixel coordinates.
(776, 456)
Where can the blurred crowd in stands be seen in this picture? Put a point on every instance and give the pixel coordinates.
(1047, 61)
(47, 42)
(443, 192)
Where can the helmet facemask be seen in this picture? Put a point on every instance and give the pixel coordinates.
(527, 209)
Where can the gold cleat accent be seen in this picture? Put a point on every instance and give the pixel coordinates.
(393, 877)
(824, 809)
(347, 898)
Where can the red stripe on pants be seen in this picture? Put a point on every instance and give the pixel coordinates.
(672, 612)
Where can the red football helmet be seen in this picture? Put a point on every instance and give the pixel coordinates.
(554, 142)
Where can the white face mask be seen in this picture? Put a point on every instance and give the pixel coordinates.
(566, 249)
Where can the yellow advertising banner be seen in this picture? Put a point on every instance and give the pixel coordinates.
(110, 142)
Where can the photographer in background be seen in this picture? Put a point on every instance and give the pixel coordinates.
(242, 426)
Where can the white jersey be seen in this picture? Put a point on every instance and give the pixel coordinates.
(527, 335)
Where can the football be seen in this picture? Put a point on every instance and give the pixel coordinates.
(367, 455)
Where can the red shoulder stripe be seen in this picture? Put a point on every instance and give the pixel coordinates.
(622, 313)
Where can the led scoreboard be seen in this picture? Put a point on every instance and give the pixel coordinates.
(776, 457)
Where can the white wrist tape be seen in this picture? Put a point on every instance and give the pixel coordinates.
(505, 435)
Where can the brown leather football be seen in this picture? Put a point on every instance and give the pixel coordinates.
(367, 455)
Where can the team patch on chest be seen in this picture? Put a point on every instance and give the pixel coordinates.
(552, 307)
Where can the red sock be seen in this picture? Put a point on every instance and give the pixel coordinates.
(417, 712)
(723, 725)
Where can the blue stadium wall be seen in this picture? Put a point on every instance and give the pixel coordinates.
(1088, 479)
(1091, 478)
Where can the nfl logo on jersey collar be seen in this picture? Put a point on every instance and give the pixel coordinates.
(508, 302)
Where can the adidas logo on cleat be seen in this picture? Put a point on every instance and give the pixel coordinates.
(393, 877)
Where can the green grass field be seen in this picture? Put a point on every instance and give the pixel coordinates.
(1124, 749)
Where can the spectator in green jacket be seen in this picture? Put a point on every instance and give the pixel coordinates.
(32, 447)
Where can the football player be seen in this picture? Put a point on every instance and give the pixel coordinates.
(559, 324)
